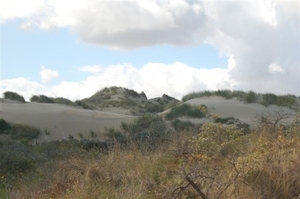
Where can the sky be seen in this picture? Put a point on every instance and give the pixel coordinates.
(74, 48)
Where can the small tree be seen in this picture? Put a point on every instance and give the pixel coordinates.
(270, 121)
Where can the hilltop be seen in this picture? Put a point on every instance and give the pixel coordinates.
(127, 101)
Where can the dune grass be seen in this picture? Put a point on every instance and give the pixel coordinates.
(265, 99)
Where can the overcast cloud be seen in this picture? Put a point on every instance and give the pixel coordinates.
(261, 38)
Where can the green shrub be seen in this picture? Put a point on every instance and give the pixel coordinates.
(283, 100)
(82, 104)
(194, 95)
(223, 120)
(15, 158)
(146, 132)
(89, 145)
(4, 126)
(227, 94)
(24, 132)
(41, 99)
(213, 137)
(185, 110)
(154, 108)
(251, 97)
(179, 125)
(61, 100)
(14, 96)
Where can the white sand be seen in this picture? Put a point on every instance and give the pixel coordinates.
(61, 120)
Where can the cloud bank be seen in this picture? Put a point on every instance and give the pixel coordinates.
(261, 38)
(154, 79)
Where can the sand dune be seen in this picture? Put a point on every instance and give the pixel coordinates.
(63, 120)
(234, 108)
(60, 120)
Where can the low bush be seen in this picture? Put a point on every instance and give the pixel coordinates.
(24, 132)
(250, 97)
(82, 104)
(15, 158)
(4, 126)
(283, 100)
(41, 99)
(185, 110)
(146, 132)
(179, 125)
(14, 96)
(61, 100)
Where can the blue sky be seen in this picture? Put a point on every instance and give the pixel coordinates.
(70, 50)
(24, 52)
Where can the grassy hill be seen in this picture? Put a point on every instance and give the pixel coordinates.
(135, 103)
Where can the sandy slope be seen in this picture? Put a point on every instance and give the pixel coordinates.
(235, 108)
(61, 120)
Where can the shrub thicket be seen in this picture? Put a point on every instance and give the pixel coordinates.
(146, 132)
(25, 133)
(14, 96)
(61, 100)
(4, 126)
(282, 100)
(82, 104)
(185, 110)
(179, 125)
(41, 99)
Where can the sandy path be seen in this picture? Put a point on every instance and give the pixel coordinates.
(61, 120)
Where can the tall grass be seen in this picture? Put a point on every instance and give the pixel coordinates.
(217, 160)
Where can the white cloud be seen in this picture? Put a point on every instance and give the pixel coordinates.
(275, 68)
(154, 79)
(47, 75)
(256, 33)
(23, 86)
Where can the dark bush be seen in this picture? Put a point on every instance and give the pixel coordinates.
(82, 104)
(15, 158)
(24, 132)
(61, 100)
(185, 110)
(250, 97)
(154, 108)
(146, 132)
(283, 100)
(4, 126)
(179, 125)
(14, 96)
(41, 99)
(89, 145)
(223, 120)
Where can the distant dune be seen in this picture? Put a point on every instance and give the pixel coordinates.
(63, 120)
(234, 108)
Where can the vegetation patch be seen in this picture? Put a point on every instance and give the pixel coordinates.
(267, 99)
(186, 110)
(14, 96)
(179, 125)
(41, 99)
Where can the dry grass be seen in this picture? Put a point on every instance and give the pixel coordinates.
(261, 167)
